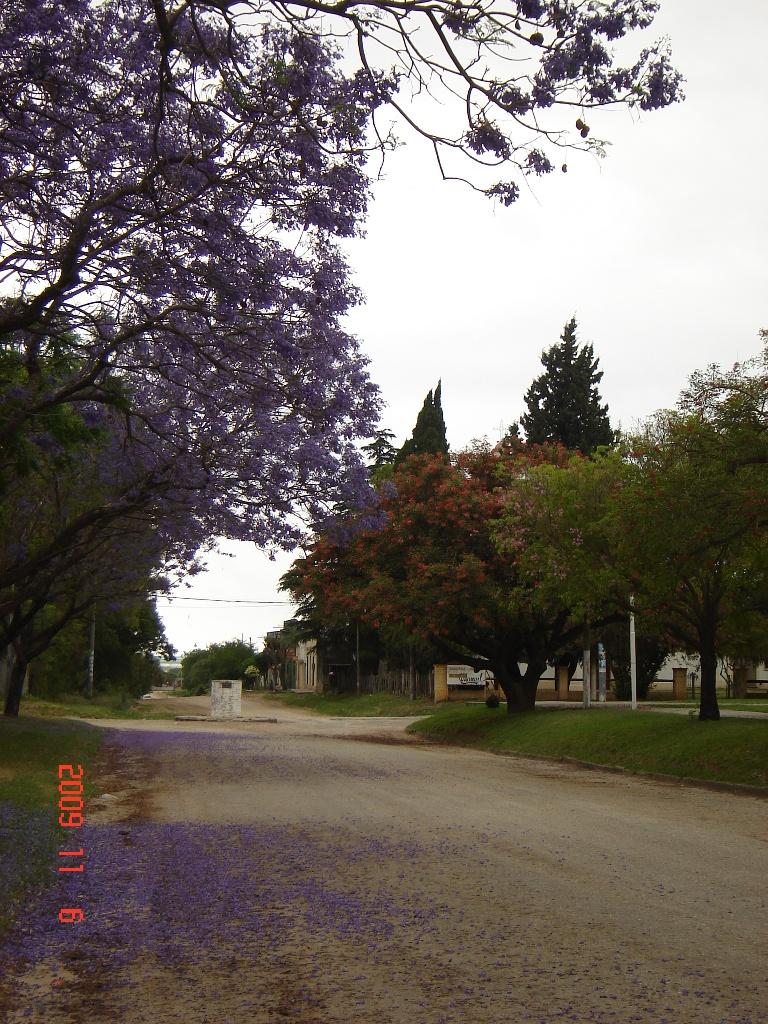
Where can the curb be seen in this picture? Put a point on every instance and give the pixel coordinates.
(739, 788)
(219, 721)
(736, 788)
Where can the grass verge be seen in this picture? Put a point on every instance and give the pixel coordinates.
(30, 753)
(103, 705)
(731, 750)
(368, 705)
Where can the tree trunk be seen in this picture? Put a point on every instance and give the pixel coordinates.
(708, 709)
(519, 689)
(16, 678)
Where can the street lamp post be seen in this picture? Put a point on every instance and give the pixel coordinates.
(632, 653)
(357, 658)
(91, 655)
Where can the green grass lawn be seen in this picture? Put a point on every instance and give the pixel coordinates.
(30, 752)
(369, 705)
(103, 705)
(731, 750)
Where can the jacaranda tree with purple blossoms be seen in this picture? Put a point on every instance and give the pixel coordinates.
(174, 182)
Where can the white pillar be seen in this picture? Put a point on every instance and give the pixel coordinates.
(632, 654)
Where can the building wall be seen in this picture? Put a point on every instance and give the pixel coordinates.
(662, 687)
(307, 665)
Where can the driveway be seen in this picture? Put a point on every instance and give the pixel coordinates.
(300, 872)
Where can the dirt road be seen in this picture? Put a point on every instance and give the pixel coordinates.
(298, 872)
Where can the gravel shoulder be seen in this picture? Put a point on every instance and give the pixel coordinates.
(290, 720)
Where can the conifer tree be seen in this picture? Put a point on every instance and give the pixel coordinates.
(381, 452)
(428, 437)
(563, 403)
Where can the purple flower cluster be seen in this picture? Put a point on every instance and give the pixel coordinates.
(167, 889)
(538, 163)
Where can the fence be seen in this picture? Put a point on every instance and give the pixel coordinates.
(399, 682)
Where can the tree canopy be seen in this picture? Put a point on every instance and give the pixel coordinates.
(128, 646)
(509, 557)
(564, 405)
(159, 163)
(227, 660)
(666, 517)
(380, 450)
(433, 568)
(694, 538)
(175, 179)
(428, 437)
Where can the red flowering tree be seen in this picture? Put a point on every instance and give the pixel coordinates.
(434, 567)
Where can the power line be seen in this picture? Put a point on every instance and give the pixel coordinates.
(224, 600)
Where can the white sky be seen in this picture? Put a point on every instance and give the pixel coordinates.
(659, 250)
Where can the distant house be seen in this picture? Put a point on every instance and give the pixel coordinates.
(308, 666)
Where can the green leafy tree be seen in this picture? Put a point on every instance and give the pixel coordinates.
(128, 647)
(736, 401)
(129, 644)
(556, 525)
(338, 631)
(428, 437)
(564, 404)
(692, 536)
(218, 661)
(665, 518)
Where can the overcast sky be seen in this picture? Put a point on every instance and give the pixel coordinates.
(659, 250)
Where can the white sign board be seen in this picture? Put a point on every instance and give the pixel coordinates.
(465, 675)
(226, 698)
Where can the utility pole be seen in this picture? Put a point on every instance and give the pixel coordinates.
(91, 652)
(586, 671)
(632, 653)
(601, 673)
(357, 658)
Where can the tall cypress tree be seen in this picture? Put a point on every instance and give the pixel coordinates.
(564, 404)
(428, 435)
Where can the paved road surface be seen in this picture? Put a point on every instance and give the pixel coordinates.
(299, 872)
